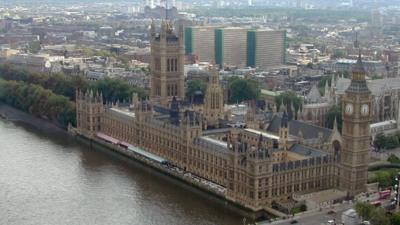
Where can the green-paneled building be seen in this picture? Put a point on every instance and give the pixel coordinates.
(234, 46)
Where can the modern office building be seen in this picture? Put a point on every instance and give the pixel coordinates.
(236, 46)
(200, 41)
(266, 49)
(231, 46)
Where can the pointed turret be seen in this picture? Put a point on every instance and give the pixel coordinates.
(152, 29)
(293, 111)
(333, 82)
(327, 90)
(284, 135)
(285, 119)
(335, 125)
(174, 111)
(260, 141)
(282, 107)
(314, 96)
(135, 100)
(358, 83)
(398, 115)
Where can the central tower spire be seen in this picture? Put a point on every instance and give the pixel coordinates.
(167, 65)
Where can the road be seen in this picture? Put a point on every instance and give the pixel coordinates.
(315, 217)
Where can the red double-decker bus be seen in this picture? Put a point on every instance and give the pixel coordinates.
(384, 194)
(376, 203)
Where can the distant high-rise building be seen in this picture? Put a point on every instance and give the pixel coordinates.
(376, 18)
(231, 46)
(235, 46)
(266, 48)
(200, 41)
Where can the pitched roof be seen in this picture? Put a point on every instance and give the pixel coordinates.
(314, 96)
(306, 151)
(309, 131)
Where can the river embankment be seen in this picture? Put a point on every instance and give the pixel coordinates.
(17, 116)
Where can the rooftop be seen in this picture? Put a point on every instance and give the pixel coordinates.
(308, 131)
(306, 151)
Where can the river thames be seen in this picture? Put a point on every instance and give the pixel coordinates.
(50, 179)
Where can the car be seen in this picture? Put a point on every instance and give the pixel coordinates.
(331, 222)
(330, 212)
(293, 222)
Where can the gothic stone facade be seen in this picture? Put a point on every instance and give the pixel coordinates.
(167, 64)
(257, 167)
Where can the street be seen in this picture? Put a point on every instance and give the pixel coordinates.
(315, 217)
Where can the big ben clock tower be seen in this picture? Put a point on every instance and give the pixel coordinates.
(356, 111)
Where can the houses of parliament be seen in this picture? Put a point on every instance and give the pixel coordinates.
(256, 166)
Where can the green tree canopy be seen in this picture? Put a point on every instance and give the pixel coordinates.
(380, 141)
(364, 210)
(34, 47)
(241, 89)
(193, 86)
(117, 90)
(38, 101)
(379, 217)
(113, 89)
(387, 141)
(288, 98)
(393, 159)
(392, 141)
(395, 219)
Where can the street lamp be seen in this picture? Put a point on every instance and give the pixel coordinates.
(396, 191)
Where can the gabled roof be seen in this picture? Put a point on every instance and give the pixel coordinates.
(309, 131)
(314, 96)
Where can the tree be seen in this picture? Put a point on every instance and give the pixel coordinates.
(334, 112)
(380, 141)
(378, 217)
(193, 86)
(364, 210)
(113, 89)
(392, 142)
(288, 98)
(38, 101)
(393, 159)
(117, 90)
(395, 219)
(34, 47)
(339, 54)
(241, 89)
(322, 82)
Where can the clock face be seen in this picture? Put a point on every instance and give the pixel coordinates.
(365, 109)
(349, 109)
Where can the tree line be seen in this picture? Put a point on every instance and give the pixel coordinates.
(40, 102)
(389, 141)
(113, 89)
(376, 215)
(52, 96)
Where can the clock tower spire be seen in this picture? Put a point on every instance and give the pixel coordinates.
(357, 116)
